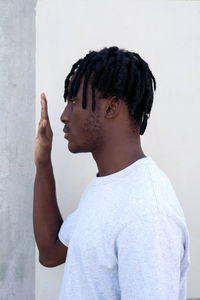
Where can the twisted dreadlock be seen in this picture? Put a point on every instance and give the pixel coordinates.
(115, 72)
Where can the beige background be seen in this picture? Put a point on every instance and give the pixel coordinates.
(167, 35)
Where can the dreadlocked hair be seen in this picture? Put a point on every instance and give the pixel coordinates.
(115, 72)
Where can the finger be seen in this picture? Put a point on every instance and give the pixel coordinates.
(42, 127)
(44, 123)
(44, 110)
(41, 121)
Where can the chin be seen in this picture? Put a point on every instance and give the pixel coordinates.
(72, 149)
(77, 149)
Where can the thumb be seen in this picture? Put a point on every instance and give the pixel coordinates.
(44, 123)
(42, 128)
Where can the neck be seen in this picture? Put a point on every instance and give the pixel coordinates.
(116, 155)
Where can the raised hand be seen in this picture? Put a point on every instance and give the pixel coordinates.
(43, 142)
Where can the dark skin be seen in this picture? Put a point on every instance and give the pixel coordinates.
(111, 138)
(46, 215)
(107, 133)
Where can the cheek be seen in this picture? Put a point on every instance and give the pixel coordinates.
(86, 125)
(76, 119)
(93, 128)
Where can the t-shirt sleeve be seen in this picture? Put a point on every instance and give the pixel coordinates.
(67, 227)
(149, 253)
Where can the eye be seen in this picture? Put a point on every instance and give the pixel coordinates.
(72, 101)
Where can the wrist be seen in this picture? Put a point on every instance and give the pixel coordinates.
(44, 166)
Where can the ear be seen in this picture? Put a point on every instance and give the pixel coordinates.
(112, 107)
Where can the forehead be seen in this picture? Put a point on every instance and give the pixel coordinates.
(80, 89)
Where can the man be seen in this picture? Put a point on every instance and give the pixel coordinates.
(128, 238)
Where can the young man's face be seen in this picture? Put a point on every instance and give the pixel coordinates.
(84, 127)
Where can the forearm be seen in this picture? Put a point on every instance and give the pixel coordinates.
(46, 215)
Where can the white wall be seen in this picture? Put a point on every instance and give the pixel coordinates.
(167, 36)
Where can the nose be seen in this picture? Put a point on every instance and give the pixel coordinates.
(65, 116)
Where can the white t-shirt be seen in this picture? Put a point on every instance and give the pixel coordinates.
(127, 239)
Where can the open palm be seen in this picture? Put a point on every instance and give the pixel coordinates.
(43, 142)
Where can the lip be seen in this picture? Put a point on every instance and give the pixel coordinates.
(66, 135)
(66, 131)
